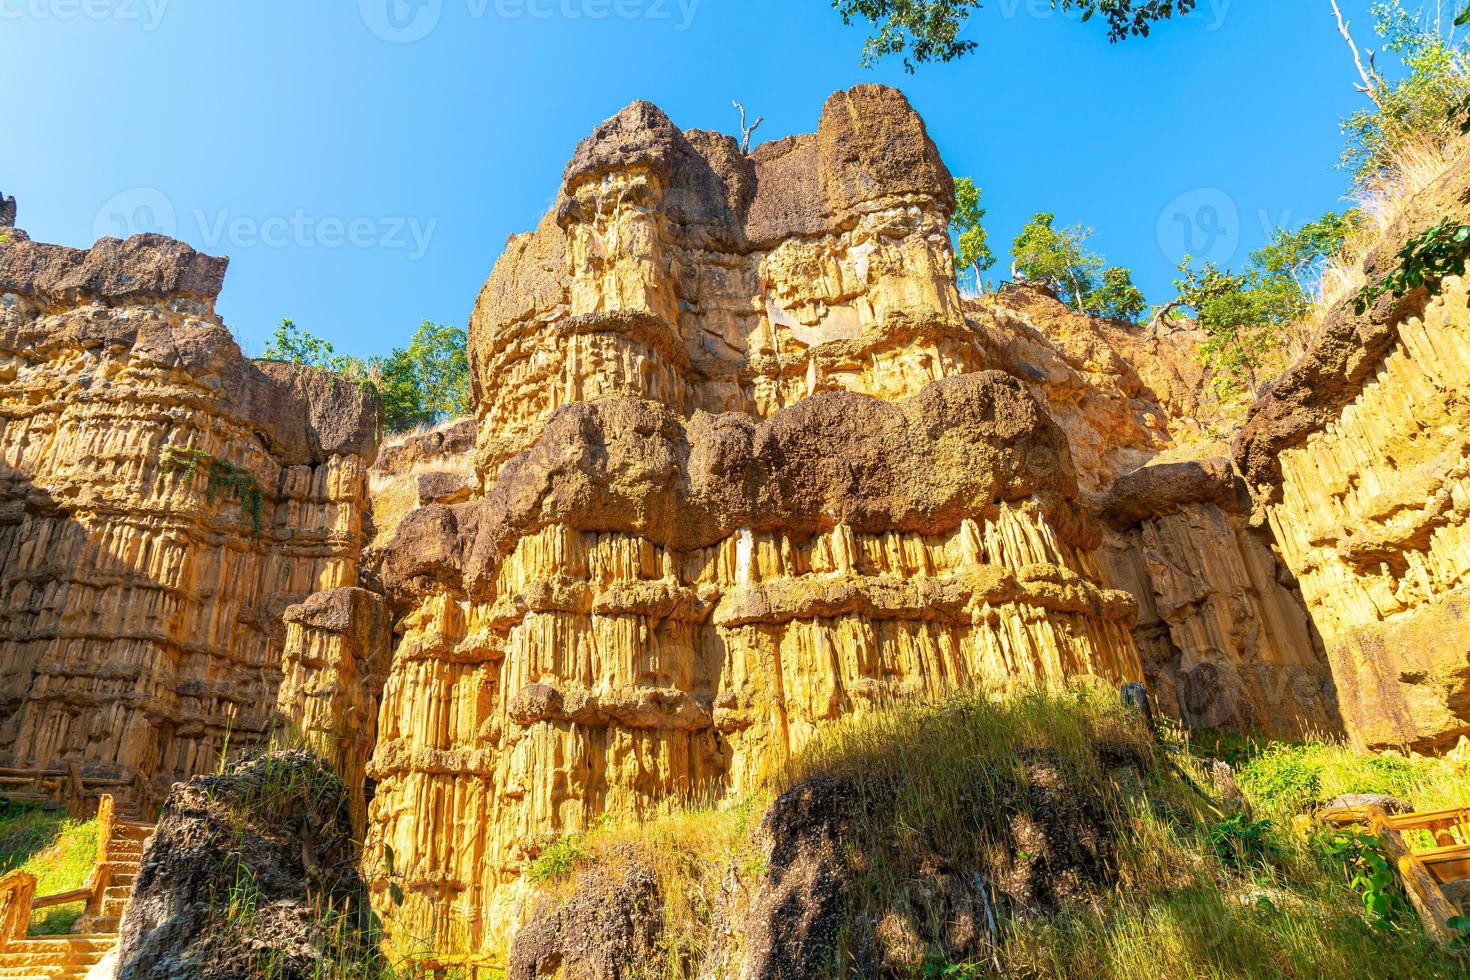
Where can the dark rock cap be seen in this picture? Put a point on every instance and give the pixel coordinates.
(144, 267)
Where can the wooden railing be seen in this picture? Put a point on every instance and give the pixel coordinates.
(66, 786)
(17, 894)
(1424, 871)
(18, 889)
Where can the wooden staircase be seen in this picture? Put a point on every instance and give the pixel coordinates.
(108, 889)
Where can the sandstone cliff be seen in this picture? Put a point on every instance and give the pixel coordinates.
(1357, 458)
(745, 468)
(163, 500)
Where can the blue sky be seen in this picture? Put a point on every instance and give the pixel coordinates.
(363, 178)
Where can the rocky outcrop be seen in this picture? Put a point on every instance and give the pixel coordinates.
(250, 873)
(744, 469)
(338, 646)
(1224, 636)
(162, 501)
(675, 269)
(1358, 460)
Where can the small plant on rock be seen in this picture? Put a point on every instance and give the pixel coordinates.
(234, 481)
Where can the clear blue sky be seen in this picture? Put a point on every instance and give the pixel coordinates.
(361, 185)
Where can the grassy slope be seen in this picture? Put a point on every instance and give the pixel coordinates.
(59, 851)
(1197, 890)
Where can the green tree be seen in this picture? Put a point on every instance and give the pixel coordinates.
(438, 363)
(972, 243)
(291, 343)
(1060, 260)
(929, 30)
(1057, 258)
(1248, 316)
(1429, 103)
(1117, 297)
(421, 384)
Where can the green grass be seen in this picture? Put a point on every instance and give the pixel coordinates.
(1183, 885)
(59, 851)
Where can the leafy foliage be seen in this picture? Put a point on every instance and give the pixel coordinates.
(1059, 258)
(1241, 841)
(426, 382)
(235, 481)
(291, 343)
(1117, 297)
(1424, 262)
(1430, 102)
(972, 250)
(421, 384)
(1360, 857)
(929, 30)
(1247, 315)
(558, 860)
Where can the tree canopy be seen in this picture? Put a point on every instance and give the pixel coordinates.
(972, 243)
(929, 30)
(1060, 260)
(421, 384)
(1428, 103)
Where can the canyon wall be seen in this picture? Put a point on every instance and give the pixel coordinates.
(745, 468)
(163, 500)
(1223, 634)
(1358, 461)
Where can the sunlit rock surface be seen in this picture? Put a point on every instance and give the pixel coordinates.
(746, 468)
(140, 608)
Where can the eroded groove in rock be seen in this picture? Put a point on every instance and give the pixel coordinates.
(744, 470)
(1371, 513)
(140, 610)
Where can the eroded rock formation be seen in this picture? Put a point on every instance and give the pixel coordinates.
(745, 468)
(1358, 458)
(162, 501)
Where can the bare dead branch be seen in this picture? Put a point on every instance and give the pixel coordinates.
(746, 131)
(1372, 81)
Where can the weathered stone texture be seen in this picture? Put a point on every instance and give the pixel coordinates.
(745, 471)
(1224, 637)
(1371, 513)
(677, 270)
(140, 614)
(335, 661)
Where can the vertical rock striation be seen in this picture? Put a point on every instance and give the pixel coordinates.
(745, 469)
(162, 501)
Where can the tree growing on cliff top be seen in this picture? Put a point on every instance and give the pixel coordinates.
(929, 30)
(421, 384)
(1429, 104)
(1060, 260)
(1252, 317)
(972, 244)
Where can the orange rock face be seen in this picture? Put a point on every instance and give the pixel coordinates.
(1358, 460)
(745, 470)
(162, 501)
